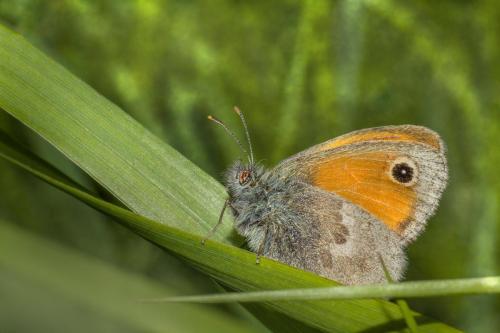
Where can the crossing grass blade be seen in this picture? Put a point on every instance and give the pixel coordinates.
(415, 289)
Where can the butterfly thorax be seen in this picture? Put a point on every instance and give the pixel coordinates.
(247, 192)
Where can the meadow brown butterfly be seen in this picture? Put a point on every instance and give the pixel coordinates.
(339, 207)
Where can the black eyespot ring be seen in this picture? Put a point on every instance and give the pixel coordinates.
(402, 172)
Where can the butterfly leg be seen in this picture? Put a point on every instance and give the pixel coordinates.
(219, 222)
(261, 246)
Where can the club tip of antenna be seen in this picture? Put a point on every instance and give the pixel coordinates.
(209, 117)
(236, 109)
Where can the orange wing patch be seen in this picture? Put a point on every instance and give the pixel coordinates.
(411, 134)
(364, 180)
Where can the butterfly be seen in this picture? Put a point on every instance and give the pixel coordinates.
(344, 208)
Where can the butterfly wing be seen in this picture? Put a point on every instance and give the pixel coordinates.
(345, 242)
(394, 173)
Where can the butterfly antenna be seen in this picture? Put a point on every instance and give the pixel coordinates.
(235, 138)
(238, 111)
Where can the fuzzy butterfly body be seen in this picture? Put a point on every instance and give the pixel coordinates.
(338, 207)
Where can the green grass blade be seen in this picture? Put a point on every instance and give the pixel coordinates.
(236, 268)
(409, 319)
(178, 200)
(454, 287)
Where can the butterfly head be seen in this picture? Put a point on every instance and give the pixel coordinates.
(241, 175)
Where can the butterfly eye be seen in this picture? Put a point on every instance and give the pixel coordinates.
(404, 171)
(244, 177)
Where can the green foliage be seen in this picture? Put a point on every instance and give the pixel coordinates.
(330, 67)
(23, 97)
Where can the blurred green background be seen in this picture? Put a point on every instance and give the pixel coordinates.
(303, 72)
